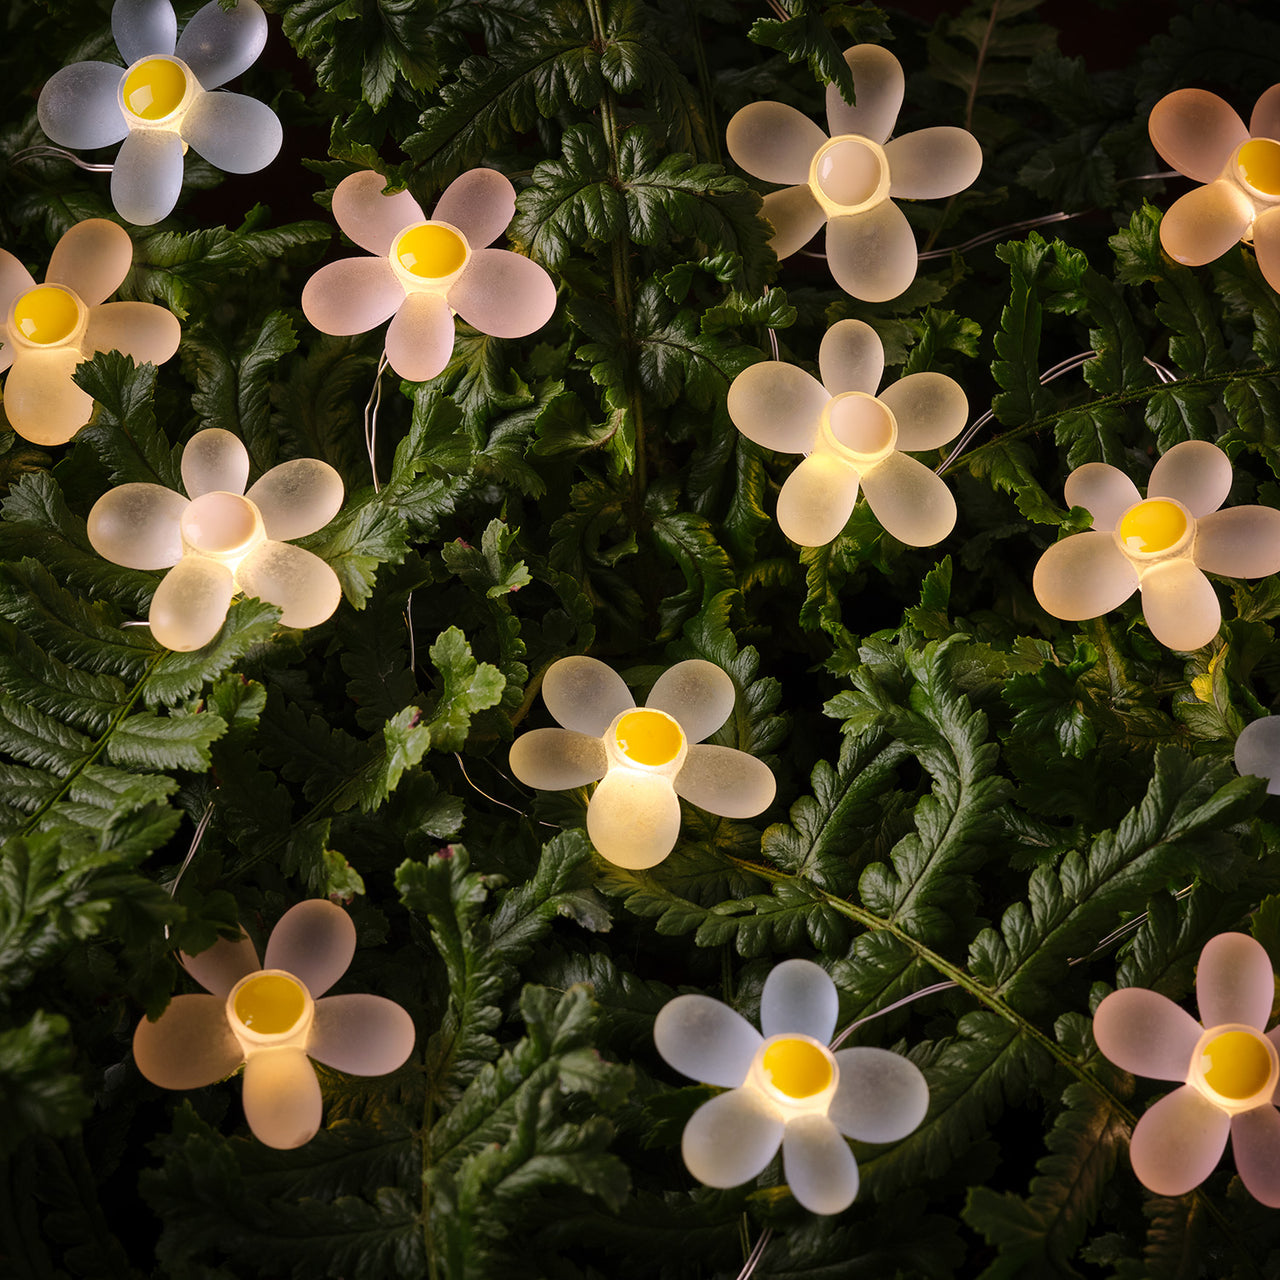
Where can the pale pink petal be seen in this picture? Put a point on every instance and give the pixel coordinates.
(705, 1040)
(79, 106)
(879, 86)
(818, 1165)
(361, 1034)
(557, 759)
(219, 44)
(872, 255)
(795, 217)
(1265, 120)
(480, 203)
(695, 693)
(777, 405)
(930, 409)
(368, 217)
(420, 339)
(730, 1139)
(189, 1046)
(282, 1098)
(1146, 1033)
(585, 695)
(1266, 244)
(773, 141)
(881, 1097)
(633, 818)
(725, 781)
(218, 968)
(1203, 224)
(91, 259)
(1234, 981)
(1083, 576)
(42, 403)
(1180, 605)
(851, 358)
(799, 998)
(1196, 132)
(314, 941)
(1257, 752)
(352, 296)
(137, 525)
(299, 582)
(1255, 1144)
(1177, 1144)
(910, 500)
(503, 294)
(817, 499)
(1104, 491)
(1195, 473)
(148, 333)
(15, 280)
(932, 163)
(1241, 542)
(297, 498)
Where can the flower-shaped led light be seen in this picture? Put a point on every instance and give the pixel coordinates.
(786, 1088)
(645, 758)
(1202, 137)
(160, 102)
(1163, 544)
(1228, 1067)
(853, 438)
(1258, 752)
(272, 1019)
(851, 179)
(426, 269)
(221, 540)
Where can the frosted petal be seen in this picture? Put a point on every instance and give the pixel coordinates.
(878, 84)
(480, 203)
(1177, 1144)
(148, 333)
(368, 217)
(697, 694)
(503, 294)
(872, 255)
(932, 163)
(557, 759)
(1258, 751)
(297, 498)
(633, 818)
(147, 178)
(1265, 120)
(362, 1035)
(190, 605)
(851, 358)
(1203, 224)
(1255, 1144)
(142, 27)
(1234, 981)
(730, 1139)
(214, 461)
(219, 44)
(91, 259)
(79, 106)
(1266, 244)
(136, 525)
(725, 781)
(189, 1046)
(881, 1097)
(818, 1165)
(799, 998)
(1146, 1033)
(705, 1040)
(777, 405)
(42, 403)
(909, 500)
(1104, 491)
(583, 694)
(218, 968)
(1180, 605)
(1196, 473)
(15, 280)
(306, 589)
(236, 133)
(773, 141)
(795, 217)
(1196, 132)
(1241, 542)
(817, 500)
(314, 940)
(420, 339)
(931, 409)
(282, 1098)
(352, 296)
(1083, 576)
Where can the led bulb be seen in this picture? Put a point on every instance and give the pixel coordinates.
(431, 251)
(1236, 1064)
(154, 89)
(649, 737)
(797, 1068)
(1153, 526)
(47, 315)
(1258, 162)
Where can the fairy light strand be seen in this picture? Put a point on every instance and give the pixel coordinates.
(47, 152)
(197, 839)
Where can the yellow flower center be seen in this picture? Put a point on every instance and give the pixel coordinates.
(431, 252)
(796, 1067)
(219, 524)
(862, 424)
(270, 1004)
(1259, 164)
(154, 89)
(849, 171)
(649, 737)
(1151, 526)
(1236, 1064)
(46, 315)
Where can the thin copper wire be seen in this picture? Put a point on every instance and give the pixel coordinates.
(197, 837)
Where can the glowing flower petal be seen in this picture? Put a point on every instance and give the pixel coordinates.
(557, 759)
(795, 216)
(420, 339)
(315, 942)
(633, 818)
(1178, 1142)
(1243, 542)
(777, 405)
(136, 525)
(880, 85)
(799, 998)
(881, 1096)
(214, 461)
(218, 968)
(237, 133)
(480, 203)
(189, 1046)
(1258, 752)
(219, 44)
(872, 255)
(818, 1165)
(1266, 244)
(1195, 131)
(15, 280)
(503, 294)
(585, 695)
(1265, 120)
(851, 358)
(368, 217)
(933, 163)
(696, 694)
(148, 333)
(930, 408)
(92, 258)
(730, 1139)
(361, 1034)
(1203, 224)
(142, 27)
(725, 781)
(910, 501)
(1234, 981)
(1195, 473)
(147, 178)
(282, 1098)
(773, 141)
(1255, 1146)
(42, 403)
(352, 296)
(1180, 605)
(297, 498)
(1104, 491)
(817, 500)
(705, 1040)
(304, 587)
(190, 605)
(1083, 576)
(79, 106)
(1146, 1033)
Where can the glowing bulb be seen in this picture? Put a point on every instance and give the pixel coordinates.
(1258, 162)
(850, 171)
(154, 89)
(431, 252)
(1236, 1064)
(270, 1003)
(797, 1068)
(862, 424)
(1152, 526)
(46, 315)
(649, 737)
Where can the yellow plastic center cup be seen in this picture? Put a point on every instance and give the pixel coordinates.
(796, 1067)
(1152, 526)
(1236, 1064)
(431, 252)
(270, 1004)
(649, 737)
(154, 89)
(47, 315)
(1258, 162)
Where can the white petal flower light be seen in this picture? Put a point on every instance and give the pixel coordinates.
(222, 540)
(50, 328)
(853, 438)
(645, 758)
(273, 1020)
(786, 1088)
(851, 179)
(1227, 1066)
(161, 102)
(426, 269)
(1258, 752)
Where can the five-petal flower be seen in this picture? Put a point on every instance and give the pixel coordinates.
(645, 758)
(273, 1020)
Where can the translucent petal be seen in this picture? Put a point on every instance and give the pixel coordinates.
(42, 403)
(368, 217)
(1083, 576)
(851, 358)
(297, 498)
(932, 163)
(147, 179)
(420, 339)
(1180, 605)
(799, 997)
(190, 605)
(931, 409)
(583, 694)
(773, 141)
(142, 27)
(315, 941)
(237, 133)
(872, 255)
(362, 1035)
(817, 500)
(91, 259)
(189, 1046)
(557, 759)
(136, 525)
(79, 106)
(148, 333)
(633, 818)
(282, 1098)
(818, 1165)
(1241, 542)
(218, 968)
(909, 500)
(777, 405)
(730, 1139)
(1266, 244)
(1196, 132)
(1234, 981)
(480, 203)
(6, 357)
(1177, 1144)
(219, 44)
(305, 588)
(705, 1040)
(503, 294)
(1265, 120)
(881, 1097)
(1104, 491)
(215, 461)
(1258, 752)
(15, 280)
(1196, 473)
(352, 296)
(1146, 1033)
(878, 83)
(1255, 1144)
(697, 694)
(1203, 224)
(725, 781)
(795, 217)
